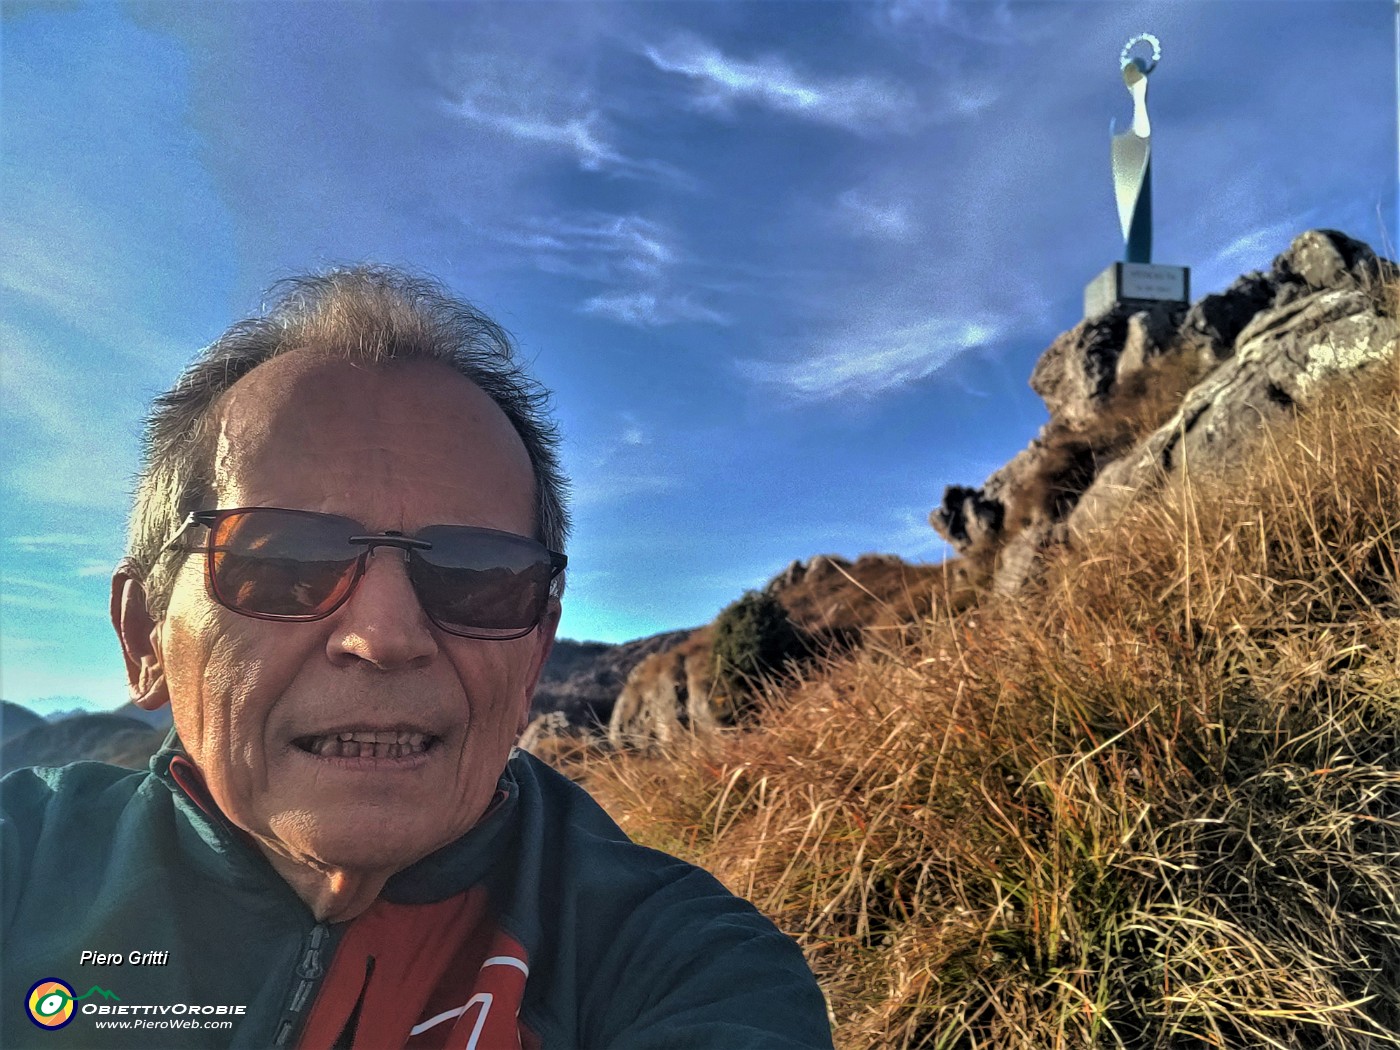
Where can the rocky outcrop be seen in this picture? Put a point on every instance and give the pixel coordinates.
(581, 680)
(835, 603)
(666, 693)
(1137, 397)
(579, 687)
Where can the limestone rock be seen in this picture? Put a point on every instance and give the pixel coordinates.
(1283, 358)
(1323, 259)
(581, 680)
(1134, 397)
(967, 518)
(1075, 373)
(667, 693)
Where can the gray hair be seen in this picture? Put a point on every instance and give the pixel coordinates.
(368, 315)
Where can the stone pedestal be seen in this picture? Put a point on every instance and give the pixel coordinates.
(1136, 284)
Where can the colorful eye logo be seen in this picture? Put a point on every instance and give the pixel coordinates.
(50, 1003)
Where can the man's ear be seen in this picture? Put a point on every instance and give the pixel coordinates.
(145, 675)
(545, 642)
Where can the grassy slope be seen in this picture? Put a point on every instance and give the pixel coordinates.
(1155, 802)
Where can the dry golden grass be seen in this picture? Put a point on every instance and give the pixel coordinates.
(1153, 803)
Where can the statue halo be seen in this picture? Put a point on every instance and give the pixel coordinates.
(1142, 38)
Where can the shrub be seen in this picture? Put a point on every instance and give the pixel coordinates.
(754, 640)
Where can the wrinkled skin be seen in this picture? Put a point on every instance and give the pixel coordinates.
(400, 447)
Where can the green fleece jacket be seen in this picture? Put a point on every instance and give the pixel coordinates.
(136, 916)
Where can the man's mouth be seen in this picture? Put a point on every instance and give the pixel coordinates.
(382, 744)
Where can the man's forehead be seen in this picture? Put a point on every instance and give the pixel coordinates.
(299, 384)
(306, 405)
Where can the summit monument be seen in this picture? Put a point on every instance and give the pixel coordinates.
(1136, 281)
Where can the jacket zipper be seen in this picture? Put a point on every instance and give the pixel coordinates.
(308, 975)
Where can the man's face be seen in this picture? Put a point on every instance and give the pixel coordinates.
(403, 448)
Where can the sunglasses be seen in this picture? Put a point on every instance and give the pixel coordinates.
(298, 565)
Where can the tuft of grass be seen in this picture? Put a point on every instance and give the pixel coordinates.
(1153, 802)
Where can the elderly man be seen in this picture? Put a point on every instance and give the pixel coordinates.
(343, 574)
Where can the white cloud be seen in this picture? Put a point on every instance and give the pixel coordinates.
(651, 309)
(883, 220)
(993, 22)
(1255, 249)
(608, 487)
(911, 536)
(49, 687)
(862, 365)
(596, 245)
(44, 586)
(56, 539)
(578, 134)
(71, 459)
(78, 606)
(636, 258)
(855, 103)
(534, 106)
(94, 567)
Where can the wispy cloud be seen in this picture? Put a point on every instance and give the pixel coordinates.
(30, 544)
(579, 134)
(1255, 248)
(862, 366)
(43, 586)
(634, 257)
(607, 487)
(858, 104)
(76, 607)
(633, 435)
(25, 592)
(883, 220)
(651, 309)
(596, 245)
(61, 463)
(992, 22)
(536, 109)
(911, 536)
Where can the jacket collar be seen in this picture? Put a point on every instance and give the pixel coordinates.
(226, 853)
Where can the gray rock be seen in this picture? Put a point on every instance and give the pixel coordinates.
(582, 680)
(1284, 358)
(1323, 259)
(1237, 359)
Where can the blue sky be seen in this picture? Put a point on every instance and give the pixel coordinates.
(786, 266)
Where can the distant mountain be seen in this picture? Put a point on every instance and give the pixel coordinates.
(160, 718)
(16, 720)
(98, 737)
(69, 712)
(59, 706)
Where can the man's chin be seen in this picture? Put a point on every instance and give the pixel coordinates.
(370, 843)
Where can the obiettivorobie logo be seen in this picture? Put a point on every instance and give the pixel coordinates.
(50, 1001)
(52, 1004)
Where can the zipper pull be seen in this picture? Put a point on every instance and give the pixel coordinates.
(308, 972)
(310, 967)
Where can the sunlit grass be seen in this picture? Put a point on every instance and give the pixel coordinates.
(1154, 802)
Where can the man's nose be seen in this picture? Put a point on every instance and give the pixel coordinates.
(383, 621)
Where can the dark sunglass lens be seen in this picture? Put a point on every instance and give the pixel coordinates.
(281, 563)
(490, 584)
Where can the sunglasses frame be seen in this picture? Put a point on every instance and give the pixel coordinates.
(210, 519)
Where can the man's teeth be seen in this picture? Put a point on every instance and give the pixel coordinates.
(369, 745)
